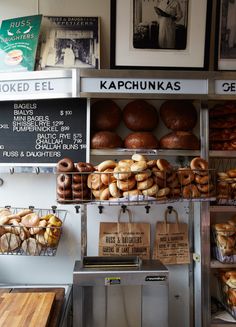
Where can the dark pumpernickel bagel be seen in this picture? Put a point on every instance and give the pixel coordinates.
(180, 140)
(106, 115)
(139, 115)
(106, 140)
(141, 140)
(178, 115)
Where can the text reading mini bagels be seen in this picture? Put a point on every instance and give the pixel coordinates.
(14, 57)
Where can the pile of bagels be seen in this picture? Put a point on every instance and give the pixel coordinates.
(136, 178)
(228, 288)
(224, 238)
(222, 123)
(226, 185)
(25, 232)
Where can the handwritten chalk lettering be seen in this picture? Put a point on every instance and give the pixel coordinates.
(4, 126)
(141, 85)
(40, 154)
(11, 154)
(25, 105)
(66, 136)
(58, 123)
(70, 146)
(23, 112)
(65, 128)
(47, 136)
(14, 87)
(43, 86)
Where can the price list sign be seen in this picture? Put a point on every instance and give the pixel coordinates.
(43, 131)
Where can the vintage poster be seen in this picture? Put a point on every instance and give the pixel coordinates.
(18, 43)
(69, 42)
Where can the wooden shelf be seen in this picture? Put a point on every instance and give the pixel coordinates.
(219, 265)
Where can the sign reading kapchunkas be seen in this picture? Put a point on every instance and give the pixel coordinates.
(155, 86)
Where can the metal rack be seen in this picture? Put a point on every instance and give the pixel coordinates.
(31, 231)
(74, 83)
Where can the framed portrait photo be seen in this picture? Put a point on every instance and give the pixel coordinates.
(160, 34)
(226, 35)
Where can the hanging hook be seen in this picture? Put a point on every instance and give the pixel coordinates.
(77, 209)
(11, 170)
(123, 207)
(170, 208)
(147, 208)
(100, 209)
(37, 170)
(54, 209)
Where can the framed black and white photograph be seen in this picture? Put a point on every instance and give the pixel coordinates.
(226, 35)
(69, 42)
(159, 34)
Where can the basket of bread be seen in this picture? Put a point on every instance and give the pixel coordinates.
(226, 186)
(227, 285)
(222, 127)
(134, 179)
(34, 232)
(224, 241)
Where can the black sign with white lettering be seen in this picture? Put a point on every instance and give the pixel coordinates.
(43, 131)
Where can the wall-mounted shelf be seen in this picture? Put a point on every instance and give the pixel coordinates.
(219, 265)
(107, 83)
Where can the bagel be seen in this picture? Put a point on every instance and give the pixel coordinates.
(164, 165)
(126, 185)
(199, 165)
(107, 164)
(122, 172)
(145, 184)
(114, 191)
(138, 166)
(151, 191)
(142, 176)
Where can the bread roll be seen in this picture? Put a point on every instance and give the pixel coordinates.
(180, 140)
(141, 140)
(105, 115)
(178, 115)
(139, 115)
(220, 110)
(106, 139)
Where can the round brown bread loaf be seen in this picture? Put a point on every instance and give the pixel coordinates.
(106, 139)
(139, 115)
(178, 115)
(180, 140)
(106, 115)
(141, 140)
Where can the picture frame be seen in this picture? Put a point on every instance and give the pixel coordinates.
(194, 56)
(69, 42)
(225, 41)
